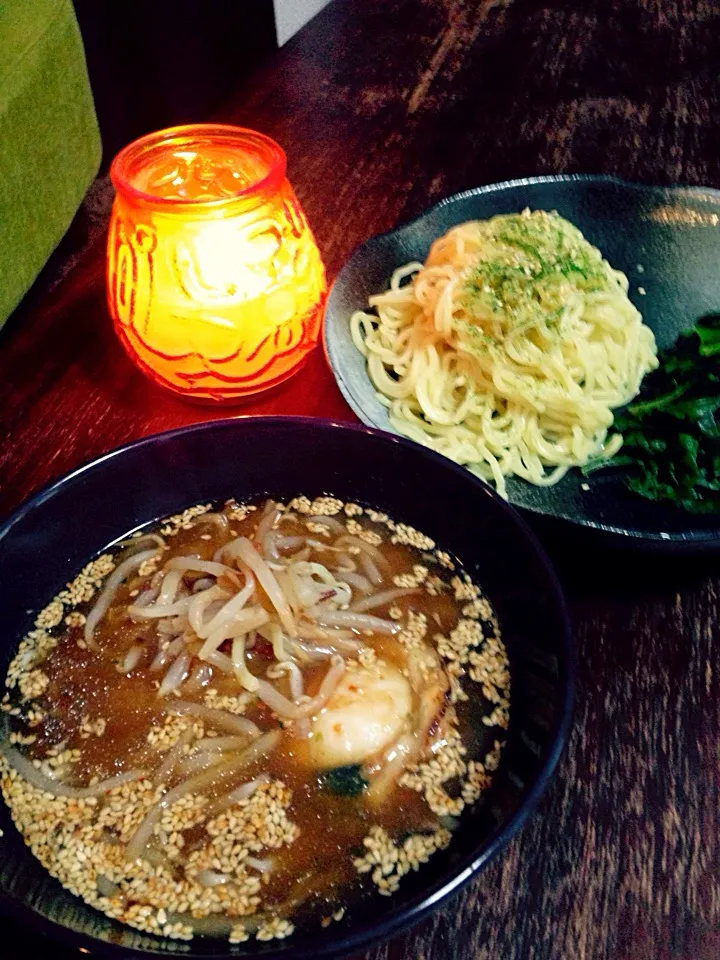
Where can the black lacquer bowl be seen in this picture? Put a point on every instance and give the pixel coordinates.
(52, 536)
(665, 239)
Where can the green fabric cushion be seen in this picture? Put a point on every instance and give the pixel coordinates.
(49, 139)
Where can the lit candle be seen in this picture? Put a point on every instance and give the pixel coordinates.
(215, 283)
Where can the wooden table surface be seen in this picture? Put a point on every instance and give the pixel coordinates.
(385, 106)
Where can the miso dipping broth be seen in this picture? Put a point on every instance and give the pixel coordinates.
(244, 720)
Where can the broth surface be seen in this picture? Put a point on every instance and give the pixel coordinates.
(280, 709)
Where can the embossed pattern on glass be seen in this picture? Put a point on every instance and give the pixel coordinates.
(215, 283)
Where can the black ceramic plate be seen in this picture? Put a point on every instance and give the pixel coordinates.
(667, 241)
(77, 517)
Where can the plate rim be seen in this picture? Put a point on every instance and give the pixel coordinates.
(691, 541)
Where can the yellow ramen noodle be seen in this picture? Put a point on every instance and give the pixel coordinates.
(509, 349)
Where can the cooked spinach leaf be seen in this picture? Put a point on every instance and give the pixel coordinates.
(671, 433)
(345, 781)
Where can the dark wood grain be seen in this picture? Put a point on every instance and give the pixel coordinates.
(384, 106)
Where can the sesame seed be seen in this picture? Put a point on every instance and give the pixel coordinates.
(326, 506)
(82, 842)
(429, 778)
(414, 632)
(411, 580)
(387, 862)
(238, 933)
(149, 566)
(238, 511)
(410, 537)
(318, 529)
(275, 929)
(33, 684)
(51, 616)
(184, 520)
(233, 704)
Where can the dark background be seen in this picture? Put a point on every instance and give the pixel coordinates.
(157, 63)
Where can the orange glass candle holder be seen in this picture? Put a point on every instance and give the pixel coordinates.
(214, 280)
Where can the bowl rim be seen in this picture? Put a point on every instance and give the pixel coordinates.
(409, 912)
(700, 541)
